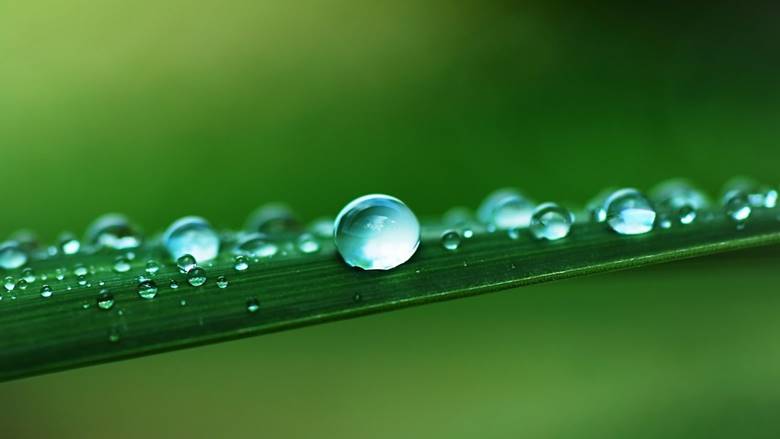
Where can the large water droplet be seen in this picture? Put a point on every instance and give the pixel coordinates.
(147, 289)
(11, 255)
(376, 232)
(506, 209)
(551, 221)
(450, 240)
(256, 245)
(630, 213)
(114, 231)
(196, 277)
(186, 263)
(194, 236)
(105, 300)
(273, 218)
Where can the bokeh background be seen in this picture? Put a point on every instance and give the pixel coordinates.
(164, 108)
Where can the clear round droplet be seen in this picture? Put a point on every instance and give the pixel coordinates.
(665, 223)
(12, 255)
(196, 277)
(737, 206)
(29, 275)
(152, 267)
(113, 231)
(121, 265)
(21, 284)
(450, 240)
(630, 213)
(468, 233)
(81, 280)
(80, 270)
(69, 244)
(505, 209)
(186, 263)
(105, 300)
(551, 221)
(46, 291)
(307, 244)
(376, 232)
(240, 263)
(9, 283)
(194, 236)
(257, 245)
(687, 215)
(252, 305)
(222, 282)
(675, 194)
(273, 219)
(147, 290)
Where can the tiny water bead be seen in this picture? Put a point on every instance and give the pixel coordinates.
(9, 283)
(121, 265)
(186, 263)
(222, 282)
(196, 277)
(113, 231)
(630, 213)
(105, 300)
(12, 255)
(376, 232)
(46, 291)
(551, 221)
(597, 206)
(240, 263)
(194, 236)
(252, 305)
(147, 290)
(273, 218)
(737, 206)
(450, 240)
(307, 244)
(505, 209)
(173, 284)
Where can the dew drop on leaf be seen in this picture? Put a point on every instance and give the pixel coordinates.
(12, 255)
(630, 213)
(191, 236)
(105, 300)
(196, 276)
(147, 290)
(450, 240)
(551, 221)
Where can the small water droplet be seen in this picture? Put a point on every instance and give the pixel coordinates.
(468, 233)
(80, 270)
(256, 245)
(183, 302)
(9, 283)
(21, 284)
(240, 263)
(737, 206)
(174, 284)
(113, 231)
(665, 223)
(186, 263)
(113, 335)
(147, 290)
(29, 275)
(687, 215)
(770, 198)
(597, 206)
(105, 300)
(85, 305)
(273, 219)
(514, 233)
(196, 277)
(222, 282)
(152, 266)
(630, 213)
(450, 240)
(69, 244)
(376, 232)
(81, 280)
(551, 221)
(46, 291)
(308, 244)
(505, 209)
(12, 255)
(191, 236)
(121, 265)
(675, 194)
(59, 274)
(322, 227)
(252, 305)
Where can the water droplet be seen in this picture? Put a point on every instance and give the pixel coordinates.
(81, 280)
(174, 284)
(183, 302)
(113, 335)
(147, 290)
(241, 263)
(196, 277)
(322, 227)
(630, 213)
(376, 232)
(60, 274)
(9, 283)
(514, 233)
(450, 240)
(85, 305)
(307, 244)
(273, 218)
(194, 236)
(222, 282)
(665, 223)
(29, 275)
(80, 270)
(152, 267)
(597, 206)
(675, 194)
(551, 221)
(11, 255)
(770, 198)
(505, 209)
(114, 231)
(468, 233)
(737, 206)
(257, 245)
(686, 215)
(186, 263)
(21, 284)
(46, 291)
(121, 265)
(105, 300)
(252, 305)
(69, 244)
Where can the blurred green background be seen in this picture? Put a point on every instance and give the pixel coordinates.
(164, 108)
